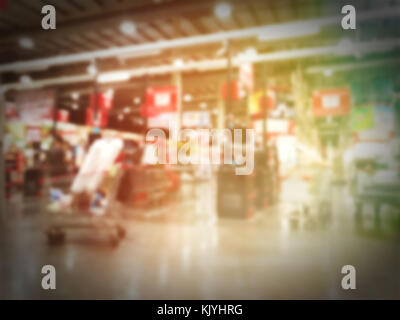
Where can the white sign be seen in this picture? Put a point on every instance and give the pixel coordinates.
(330, 101)
(162, 99)
(163, 120)
(196, 119)
(35, 106)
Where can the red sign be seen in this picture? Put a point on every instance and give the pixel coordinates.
(3, 4)
(62, 115)
(105, 101)
(270, 101)
(10, 111)
(159, 100)
(331, 102)
(235, 91)
(100, 120)
(258, 101)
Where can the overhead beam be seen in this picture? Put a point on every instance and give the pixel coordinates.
(217, 64)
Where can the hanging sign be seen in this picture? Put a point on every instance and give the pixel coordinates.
(100, 120)
(331, 102)
(236, 92)
(246, 76)
(35, 106)
(62, 115)
(105, 101)
(256, 102)
(193, 119)
(159, 100)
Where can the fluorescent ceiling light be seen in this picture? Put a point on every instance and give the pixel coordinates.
(290, 30)
(178, 63)
(113, 76)
(249, 54)
(25, 79)
(138, 54)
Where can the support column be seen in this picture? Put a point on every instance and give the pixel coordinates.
(301, 103)
(55, 112)
(177, 81)
(229, 78)
(264, 109)
(2, 168)
(221, 108)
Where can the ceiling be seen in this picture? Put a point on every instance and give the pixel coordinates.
(87, 26)
(90, 25)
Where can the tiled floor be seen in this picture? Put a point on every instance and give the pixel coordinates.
(191, 254)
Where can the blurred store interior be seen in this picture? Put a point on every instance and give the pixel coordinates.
(82, 190)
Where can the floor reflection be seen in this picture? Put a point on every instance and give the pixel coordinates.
(191, 254)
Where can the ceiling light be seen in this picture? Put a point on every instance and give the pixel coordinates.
(178, 63)
(25, 79)
(127, 28)
(26, 43)
(92, 70)
(223, 10)
(138, 54)
(114, 76)
(127, 110)
(251, 53)
(120, 117)
(75, 95)
(75, 106)
(187, 97)
(289, 30)
(136, 100)
(328, 72)
(345, 47)
(203, 105)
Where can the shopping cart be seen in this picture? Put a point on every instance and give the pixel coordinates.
(305, 200)
(82, 213)
(93, 192)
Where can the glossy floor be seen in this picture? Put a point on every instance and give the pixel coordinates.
(183, 251)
